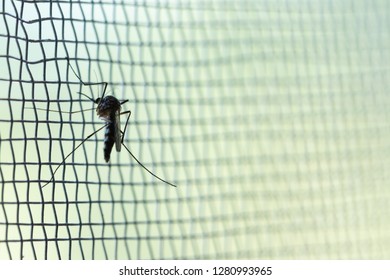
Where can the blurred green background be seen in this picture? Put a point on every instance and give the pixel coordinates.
(270, 116)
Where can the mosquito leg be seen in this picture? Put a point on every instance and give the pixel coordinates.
(86, 96)
(48, 110)
(78, 146)
(79, 78)
(144, 167)
(88, 84)
(127, 122)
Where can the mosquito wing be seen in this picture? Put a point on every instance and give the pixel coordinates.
(118, 136)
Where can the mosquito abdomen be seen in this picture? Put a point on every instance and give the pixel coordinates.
(109, 139)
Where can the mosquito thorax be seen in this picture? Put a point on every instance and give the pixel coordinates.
(107, 107)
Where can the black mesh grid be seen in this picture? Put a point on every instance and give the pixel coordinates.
(270, 116)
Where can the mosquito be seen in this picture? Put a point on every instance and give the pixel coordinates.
(109, 110)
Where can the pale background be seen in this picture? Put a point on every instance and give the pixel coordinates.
(272, 117)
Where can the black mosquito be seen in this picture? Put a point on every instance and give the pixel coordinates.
(109, 110)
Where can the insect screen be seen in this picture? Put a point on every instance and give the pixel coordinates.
(271, 117)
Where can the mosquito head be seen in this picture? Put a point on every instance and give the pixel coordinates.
(97, 101)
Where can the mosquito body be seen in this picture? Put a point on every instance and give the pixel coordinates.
(109, 110)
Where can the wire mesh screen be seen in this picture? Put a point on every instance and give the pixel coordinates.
(271, 117)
